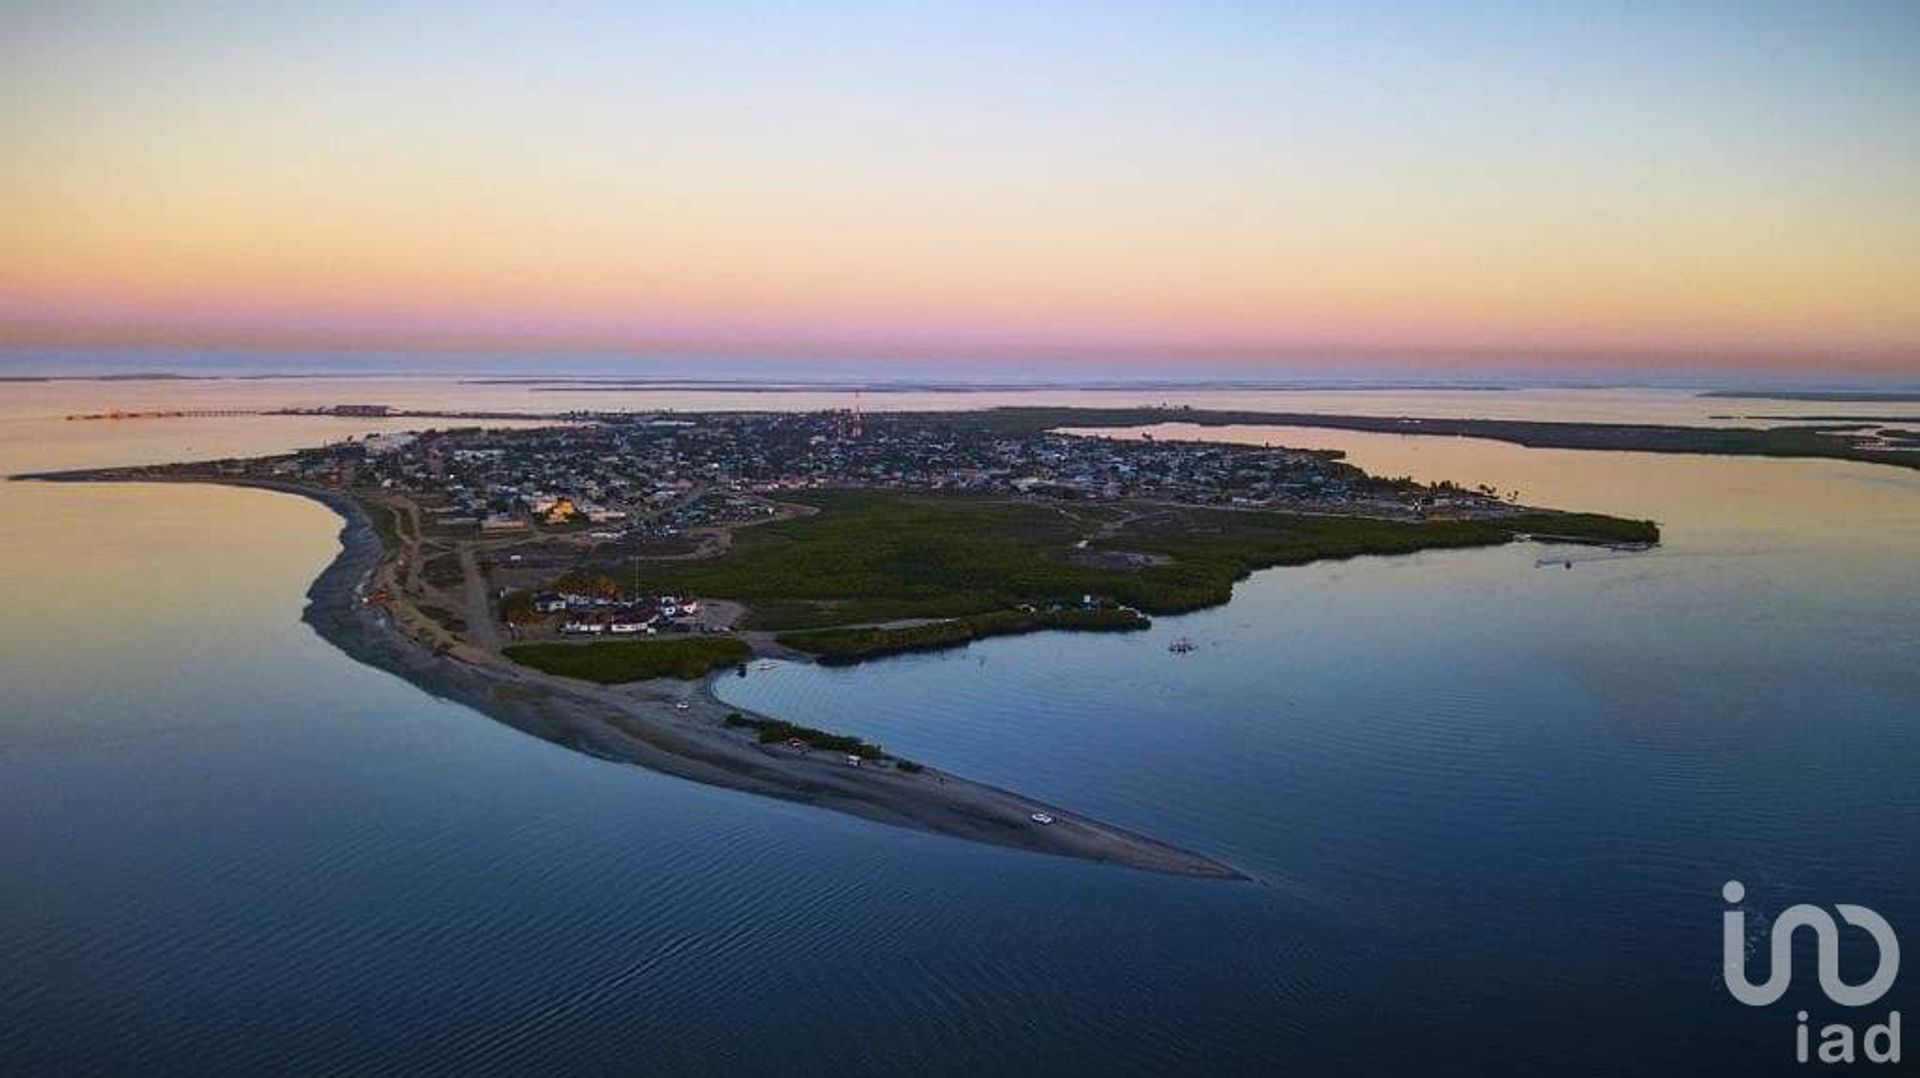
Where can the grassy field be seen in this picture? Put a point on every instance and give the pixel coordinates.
(873, 556)
(870, 556)
(443, 571)
(613, 662)
(386, 522)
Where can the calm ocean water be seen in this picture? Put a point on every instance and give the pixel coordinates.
(1489, 801)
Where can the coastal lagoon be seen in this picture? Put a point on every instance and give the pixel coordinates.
(1488, 797)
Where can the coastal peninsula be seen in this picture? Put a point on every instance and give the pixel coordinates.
(584, 583)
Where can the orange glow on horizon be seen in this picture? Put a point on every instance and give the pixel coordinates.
(725, 192)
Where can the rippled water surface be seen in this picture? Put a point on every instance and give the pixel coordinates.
(1488, 801)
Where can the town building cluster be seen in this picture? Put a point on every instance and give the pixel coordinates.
(591, 615)
(657, 475)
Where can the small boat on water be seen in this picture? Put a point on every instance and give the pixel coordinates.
(1040, 818)
(1181, 646)
(765, 664)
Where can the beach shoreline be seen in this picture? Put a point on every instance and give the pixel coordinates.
(676, 728)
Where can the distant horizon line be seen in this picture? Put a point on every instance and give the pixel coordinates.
(1892, 390)
(1884, 358)
(1332, 362)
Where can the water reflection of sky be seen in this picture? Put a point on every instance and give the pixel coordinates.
(1489, 803)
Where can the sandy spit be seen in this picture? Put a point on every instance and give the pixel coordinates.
(646, 724)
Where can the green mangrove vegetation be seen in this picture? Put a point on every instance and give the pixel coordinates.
(871, 556)
(851, 645)
(773, 731)
(612, 662)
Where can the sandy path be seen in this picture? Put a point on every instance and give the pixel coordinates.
(481, 630)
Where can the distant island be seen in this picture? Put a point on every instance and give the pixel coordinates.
(585, 582)
(1856, 396)
(1855, 441)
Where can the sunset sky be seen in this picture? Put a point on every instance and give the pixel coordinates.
(1734, 182)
